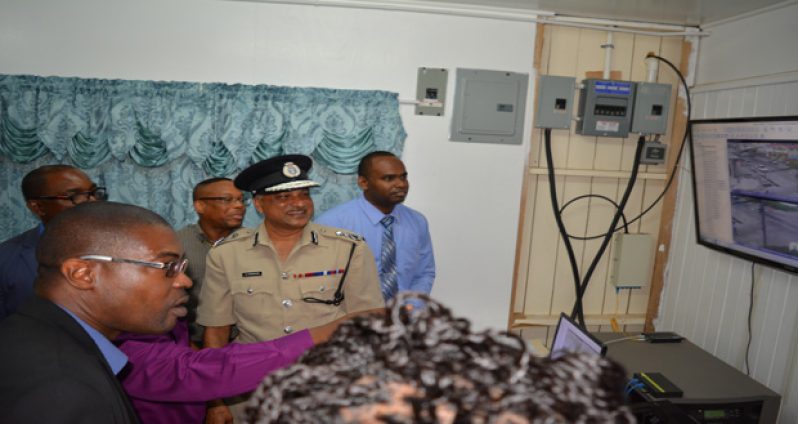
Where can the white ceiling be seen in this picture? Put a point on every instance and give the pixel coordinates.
(676, 12)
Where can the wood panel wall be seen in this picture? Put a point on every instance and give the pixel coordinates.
(544, 285)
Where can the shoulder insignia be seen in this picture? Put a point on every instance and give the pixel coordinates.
(238, 235)
(351, 236)
(339, 233)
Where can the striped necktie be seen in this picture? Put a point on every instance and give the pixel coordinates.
(388, 259)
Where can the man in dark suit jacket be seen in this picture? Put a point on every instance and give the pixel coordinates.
(48, 190)
(104, 268)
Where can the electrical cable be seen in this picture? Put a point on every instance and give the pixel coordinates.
(688, 132)
(750, 310)
(614, 203)
(608, 236)
(581, 284)
(637, 338)
(561, 226)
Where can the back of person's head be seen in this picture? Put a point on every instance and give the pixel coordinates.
(425, 366)
(365, 162)
(33, 183)
(89, 228)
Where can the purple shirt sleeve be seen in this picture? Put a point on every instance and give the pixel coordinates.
(164, 368)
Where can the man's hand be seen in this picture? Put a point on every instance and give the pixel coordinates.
(218, 413)
(323, 333)
(216, 336)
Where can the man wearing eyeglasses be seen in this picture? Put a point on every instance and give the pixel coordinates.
(104, 268)
(289, 274)
(48, 191)
(221, 208)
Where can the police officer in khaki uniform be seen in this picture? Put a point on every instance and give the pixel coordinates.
(285, 275)
(289, 274)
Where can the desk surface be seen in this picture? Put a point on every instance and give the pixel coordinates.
(700, 375)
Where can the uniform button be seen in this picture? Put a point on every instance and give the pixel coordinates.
(288, 329)
(250, 291)
(284, 275)
(322, 288)
(288, 303)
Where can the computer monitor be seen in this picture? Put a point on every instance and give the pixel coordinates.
(745, 180)
(571, 338)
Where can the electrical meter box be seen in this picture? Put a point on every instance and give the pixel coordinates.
(555, 102)
(605, 108)
(489, 106)
(651, 108)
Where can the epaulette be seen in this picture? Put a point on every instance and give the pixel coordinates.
(339, 233)
(238, 235)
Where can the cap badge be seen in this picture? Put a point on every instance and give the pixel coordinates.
(291, 170)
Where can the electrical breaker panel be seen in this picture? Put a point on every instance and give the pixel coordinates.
(605, 108)
(489, 106)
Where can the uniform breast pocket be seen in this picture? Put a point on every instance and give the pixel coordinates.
(254, 296)
(319, 287)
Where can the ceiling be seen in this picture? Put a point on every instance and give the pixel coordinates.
(676, 12)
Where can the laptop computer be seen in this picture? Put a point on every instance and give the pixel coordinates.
(571, 338)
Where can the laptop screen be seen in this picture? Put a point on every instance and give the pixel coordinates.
(569, 337)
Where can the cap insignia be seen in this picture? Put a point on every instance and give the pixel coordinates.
(291, 170)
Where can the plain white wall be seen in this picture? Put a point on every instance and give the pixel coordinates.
(469, 192)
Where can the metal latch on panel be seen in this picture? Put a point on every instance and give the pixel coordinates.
(431, 91)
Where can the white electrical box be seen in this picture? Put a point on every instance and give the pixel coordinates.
(631, 261)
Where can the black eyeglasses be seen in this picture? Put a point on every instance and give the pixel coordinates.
(172, 268)
(97, 193)
(228, 200)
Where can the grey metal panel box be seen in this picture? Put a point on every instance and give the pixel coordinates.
(489, 106)
(652, 103)
(555, 102)
(605, 108)
(431, 91)
(631, 260)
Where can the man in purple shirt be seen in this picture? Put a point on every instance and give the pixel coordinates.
(169, 382)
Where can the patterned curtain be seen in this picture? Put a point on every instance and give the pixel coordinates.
(151, 142)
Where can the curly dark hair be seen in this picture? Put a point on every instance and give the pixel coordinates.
(446, 373)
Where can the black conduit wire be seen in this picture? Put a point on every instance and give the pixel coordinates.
(608, 236)
(561, 226)
(614, 203)
(578, 313)
(750, 314)
(688, 132)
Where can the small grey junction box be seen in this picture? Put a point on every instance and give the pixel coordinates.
(631, 261)
(489, 106)
(555, 102)
(605, 108)
(651, 108)
(431, 91)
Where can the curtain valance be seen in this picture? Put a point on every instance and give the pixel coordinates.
(123, 132)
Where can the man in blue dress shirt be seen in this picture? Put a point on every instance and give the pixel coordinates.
(48, 190)
(383, 179)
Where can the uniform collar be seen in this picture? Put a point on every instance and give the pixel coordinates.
(310, 235)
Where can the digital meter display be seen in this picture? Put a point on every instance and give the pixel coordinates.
(714, 414)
